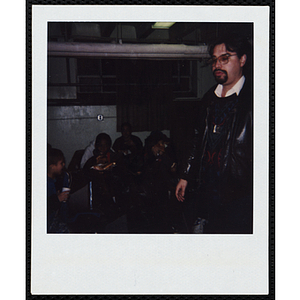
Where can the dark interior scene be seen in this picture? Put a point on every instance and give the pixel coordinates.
(121, 101)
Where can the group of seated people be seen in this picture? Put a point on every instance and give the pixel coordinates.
(123, 178)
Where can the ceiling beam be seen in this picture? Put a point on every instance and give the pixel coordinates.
(154, 51)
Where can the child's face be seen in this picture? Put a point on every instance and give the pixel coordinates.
(57, 169)
(103, 147)
(159, 148)
(126, 132)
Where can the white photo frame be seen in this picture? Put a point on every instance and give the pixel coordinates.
(117, 264)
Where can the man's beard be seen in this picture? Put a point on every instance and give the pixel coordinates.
(218, 79)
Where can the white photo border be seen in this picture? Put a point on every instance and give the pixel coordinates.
(79, 264)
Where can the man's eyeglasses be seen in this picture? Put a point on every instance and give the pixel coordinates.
(223, 59)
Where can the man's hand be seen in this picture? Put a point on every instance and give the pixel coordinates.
(180, 190)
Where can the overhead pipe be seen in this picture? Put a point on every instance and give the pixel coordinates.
(153, 51)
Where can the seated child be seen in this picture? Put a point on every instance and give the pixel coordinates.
(103, 157)
(105, 169)
(131, 147)
(56, 198)
(158, 179)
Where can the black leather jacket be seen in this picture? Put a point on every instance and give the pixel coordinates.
(236, 165)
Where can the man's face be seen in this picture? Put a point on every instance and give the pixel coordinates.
(227, 74)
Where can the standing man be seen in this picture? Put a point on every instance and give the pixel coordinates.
(222, 146)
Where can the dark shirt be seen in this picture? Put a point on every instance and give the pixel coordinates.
(53, 186)
(218, 126)
(53, 203)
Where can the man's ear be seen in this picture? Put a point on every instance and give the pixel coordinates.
(243, 60)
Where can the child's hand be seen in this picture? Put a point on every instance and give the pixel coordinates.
(104, 167)
(101, 159)
(63, 196)
(98, 168)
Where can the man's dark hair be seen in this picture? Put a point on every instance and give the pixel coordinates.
(103, 136)
(54, 156)
(238, 44)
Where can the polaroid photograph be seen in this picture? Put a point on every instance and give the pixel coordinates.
(149, 150)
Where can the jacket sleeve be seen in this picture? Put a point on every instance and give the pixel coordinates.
(89, 163)
(191, 165)
(240, 165)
